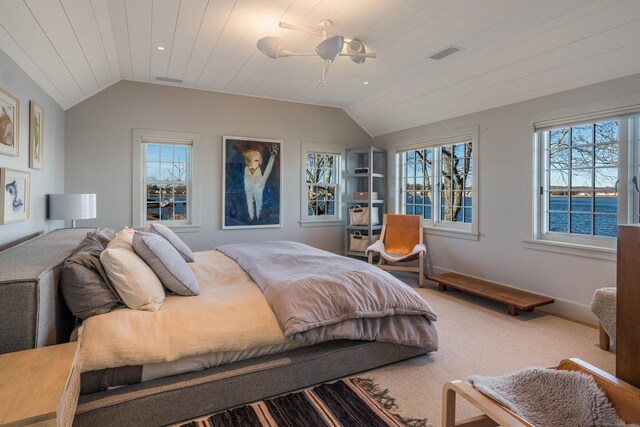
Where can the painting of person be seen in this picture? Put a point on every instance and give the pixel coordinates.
(252, 183)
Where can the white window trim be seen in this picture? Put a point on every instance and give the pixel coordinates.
(445, 228)
(327, 148)
(141, 136)
(586, 246)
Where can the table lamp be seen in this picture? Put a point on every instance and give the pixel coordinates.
(72, 206)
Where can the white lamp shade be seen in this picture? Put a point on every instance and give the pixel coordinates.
(330, 48)
(72, 206)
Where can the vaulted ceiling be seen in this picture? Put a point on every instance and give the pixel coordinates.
(513, 50)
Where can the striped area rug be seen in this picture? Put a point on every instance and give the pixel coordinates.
(355, 402)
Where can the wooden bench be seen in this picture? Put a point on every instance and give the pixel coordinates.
(515, 299)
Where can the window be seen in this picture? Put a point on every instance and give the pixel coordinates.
(585, 179)
(163, 169)
(321, 186)
(436, 182)
(167, 182)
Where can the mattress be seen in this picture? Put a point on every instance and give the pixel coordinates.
(229, 315)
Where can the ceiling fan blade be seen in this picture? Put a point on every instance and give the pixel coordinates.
(275, 47)
(272, 46)
(293, 27)
(330, 48)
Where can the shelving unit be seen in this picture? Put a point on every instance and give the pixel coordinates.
(373, 181)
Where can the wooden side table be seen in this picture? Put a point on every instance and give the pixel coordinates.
(39, 386)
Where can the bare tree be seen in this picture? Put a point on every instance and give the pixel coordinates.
(586, 150)
(320, 173)
(453, 177)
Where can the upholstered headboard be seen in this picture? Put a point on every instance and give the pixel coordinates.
(32, 311)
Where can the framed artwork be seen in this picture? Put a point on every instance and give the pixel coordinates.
(252, 181)
(9, 124)
(14, 195)
(36, 136)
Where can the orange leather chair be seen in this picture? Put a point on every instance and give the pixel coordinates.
(400, 242)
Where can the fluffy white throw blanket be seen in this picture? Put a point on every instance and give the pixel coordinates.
(603, 305)
(378, 246)
(551, 398)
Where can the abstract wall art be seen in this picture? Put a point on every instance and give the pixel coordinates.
(252, 180)
(9, 124)
(36, 136)
(14, 197)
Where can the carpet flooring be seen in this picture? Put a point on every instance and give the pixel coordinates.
(353, 402)
(479, 337)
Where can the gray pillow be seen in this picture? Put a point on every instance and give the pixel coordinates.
(103, 235)
(171, 237)
(166, 262)
(84, 284)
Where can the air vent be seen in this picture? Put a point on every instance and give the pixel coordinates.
(445, 52)
(168, 80)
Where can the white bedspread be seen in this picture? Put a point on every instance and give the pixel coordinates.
(230, 314)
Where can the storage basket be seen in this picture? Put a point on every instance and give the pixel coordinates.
(360, 216)
(364, 195)
(358, 242)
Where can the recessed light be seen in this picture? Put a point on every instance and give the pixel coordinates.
(161, 48)
(365, 83)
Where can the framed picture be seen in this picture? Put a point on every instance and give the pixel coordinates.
(9, 124)
(252, 180)
(36, 136)
(14, 196)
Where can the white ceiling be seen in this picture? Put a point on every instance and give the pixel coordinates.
(513, 50)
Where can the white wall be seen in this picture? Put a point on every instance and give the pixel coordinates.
(99, 151)
(505, 155)
(51, 178)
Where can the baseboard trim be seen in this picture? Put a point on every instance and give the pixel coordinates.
(565, 309)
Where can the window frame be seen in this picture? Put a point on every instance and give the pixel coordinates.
(141, 137)
(436, 225)
(321, 148)
(600, 247)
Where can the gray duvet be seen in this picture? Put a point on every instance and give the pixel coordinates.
(318, 296)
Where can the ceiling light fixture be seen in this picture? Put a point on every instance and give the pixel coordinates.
(160, 48)
(365, 83)
(329, 49)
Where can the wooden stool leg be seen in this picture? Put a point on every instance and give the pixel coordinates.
(512, 310)
(605, 341)
(421, 271)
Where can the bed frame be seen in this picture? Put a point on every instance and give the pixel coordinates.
(33, 314)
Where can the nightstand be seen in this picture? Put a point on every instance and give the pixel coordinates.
(39, 386)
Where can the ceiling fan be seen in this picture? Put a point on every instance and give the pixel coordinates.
(328, 49)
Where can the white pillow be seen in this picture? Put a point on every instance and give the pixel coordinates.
(135, 282)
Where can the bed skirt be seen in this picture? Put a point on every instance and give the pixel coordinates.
(173, 399)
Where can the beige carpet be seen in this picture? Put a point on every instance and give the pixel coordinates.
(479, 337)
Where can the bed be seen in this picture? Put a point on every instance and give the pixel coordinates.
(167, 383)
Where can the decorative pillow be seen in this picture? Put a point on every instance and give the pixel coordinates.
(171, 237)
(134, 281)
(167, 263)
(84, 284)
(104, 235)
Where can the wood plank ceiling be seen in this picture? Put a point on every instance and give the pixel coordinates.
(513, 50)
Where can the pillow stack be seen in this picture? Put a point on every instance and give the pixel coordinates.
(109, 270)
(139, 264)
